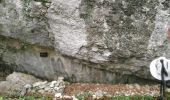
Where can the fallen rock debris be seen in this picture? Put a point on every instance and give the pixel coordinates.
(61, 89)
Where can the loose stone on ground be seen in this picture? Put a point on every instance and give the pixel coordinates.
(62, 89)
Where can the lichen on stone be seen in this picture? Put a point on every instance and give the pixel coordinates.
(87, 6)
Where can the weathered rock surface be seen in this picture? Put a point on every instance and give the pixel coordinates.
(106, 41)
(24, 20)
(68, 29)
(21, 78)
(16, 81)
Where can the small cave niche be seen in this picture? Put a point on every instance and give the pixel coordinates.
(5, 70)
(43, 54)
(168, 33)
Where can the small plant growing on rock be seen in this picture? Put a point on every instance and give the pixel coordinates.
(84, 96)
(14, 94)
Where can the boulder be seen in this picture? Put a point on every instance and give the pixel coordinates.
(21, 78)
(16, 81)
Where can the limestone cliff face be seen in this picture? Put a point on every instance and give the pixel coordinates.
(85, 40)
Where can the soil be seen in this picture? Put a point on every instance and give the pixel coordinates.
(119, 89)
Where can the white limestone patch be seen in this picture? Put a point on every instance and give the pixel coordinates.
(67, 27)
(158, 40)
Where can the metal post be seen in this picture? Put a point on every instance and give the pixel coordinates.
(163, 83)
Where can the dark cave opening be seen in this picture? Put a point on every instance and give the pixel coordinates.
(5, 70)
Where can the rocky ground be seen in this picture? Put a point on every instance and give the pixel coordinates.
(98, 91)
(29, 85)
(115, 90)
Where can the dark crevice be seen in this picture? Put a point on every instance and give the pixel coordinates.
(5, 70)
(166, 4)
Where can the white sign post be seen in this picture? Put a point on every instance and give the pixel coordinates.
(160, 69)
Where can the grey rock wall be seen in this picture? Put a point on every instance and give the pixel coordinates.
(25, 20)
(86, 40)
